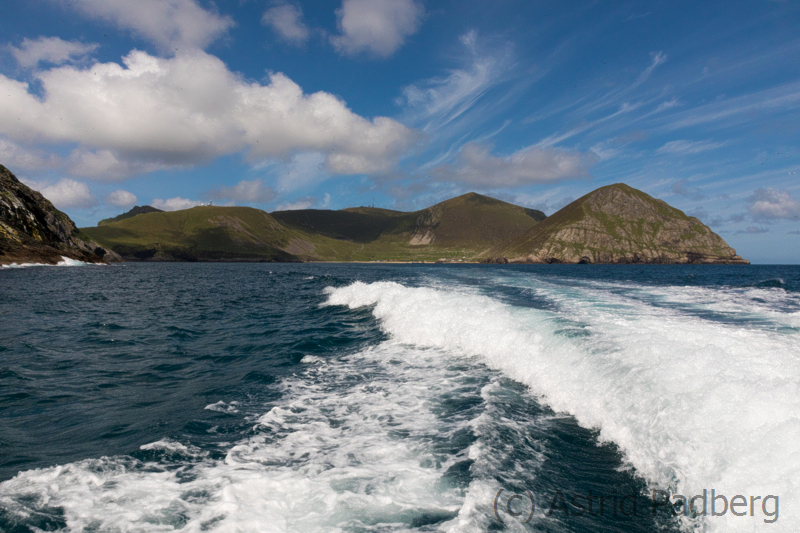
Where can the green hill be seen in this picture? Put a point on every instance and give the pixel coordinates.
(617, 224)
(460, 228)
(199, 233)
(614, 224)
(137, 210)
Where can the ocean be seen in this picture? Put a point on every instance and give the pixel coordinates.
(231, 397)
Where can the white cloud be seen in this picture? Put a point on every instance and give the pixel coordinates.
(167, 23)
(106, 165)
(14, 156)
(173, 204)
(306, 202)
(122, 198)
(475, 165)
(245, 191)
(377, 27)
(287, 21)
(67, 193)
(49, 49)
(684, 147)
(157, 113)
(768, 203)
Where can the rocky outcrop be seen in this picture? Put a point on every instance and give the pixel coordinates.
(618, 224)
(32, 230)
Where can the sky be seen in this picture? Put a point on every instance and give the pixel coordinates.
(107, 104)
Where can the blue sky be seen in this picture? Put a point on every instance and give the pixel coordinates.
(329, 104)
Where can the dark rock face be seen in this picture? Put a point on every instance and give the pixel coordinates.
(32, 230)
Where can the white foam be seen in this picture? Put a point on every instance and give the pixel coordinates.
(693, 404)
(222, 407)
(65, 262)
(172, 446)
(337, 453)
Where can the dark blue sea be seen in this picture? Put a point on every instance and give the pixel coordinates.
(385, 398)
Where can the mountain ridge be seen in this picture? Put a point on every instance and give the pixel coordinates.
(613, 224)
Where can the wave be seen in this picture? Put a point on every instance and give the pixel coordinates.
(692, 404)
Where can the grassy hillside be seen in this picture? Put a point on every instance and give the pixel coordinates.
(618, 224)
(199, 233)
(460, 228)
(137, 210)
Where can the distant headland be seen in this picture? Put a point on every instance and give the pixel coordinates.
(615, 224)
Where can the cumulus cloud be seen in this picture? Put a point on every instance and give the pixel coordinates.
(475, 165)
(50, 49)
(14, 156)
(376, 27)
(287, 21)
(108, 165)
(167, 23)
(684, 147)
(252, 192)
(769, 203)
(122, 198)
(173, 204)
(152, 113)
(67, 193)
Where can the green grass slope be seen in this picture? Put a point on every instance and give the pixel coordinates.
(618, 224)
(199, 233)
(137, 210)
(456, 229)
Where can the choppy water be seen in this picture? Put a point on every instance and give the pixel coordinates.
(264, 397)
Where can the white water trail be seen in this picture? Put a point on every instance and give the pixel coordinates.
(338, 453)
(693, 404)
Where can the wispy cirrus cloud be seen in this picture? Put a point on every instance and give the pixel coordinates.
(684, 147)
(436, 103)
